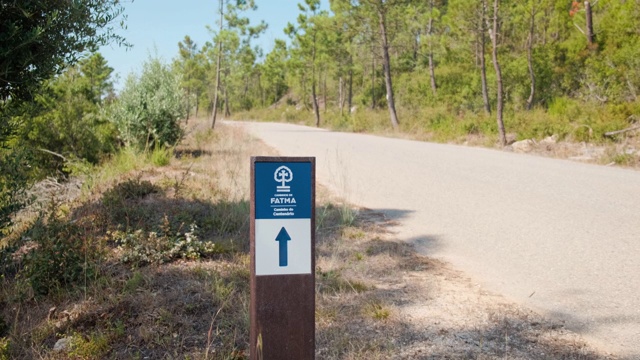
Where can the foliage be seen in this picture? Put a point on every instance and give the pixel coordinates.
(62, 254)
(149, 107)
(231, 45)
(38, 39)
(14, 179)
(158, 247)
(4, 348)
(161, 156)
(190, 65)
(94, 347)
(66, 121)
(544, 53)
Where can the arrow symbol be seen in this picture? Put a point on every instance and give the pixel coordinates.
(283, 237)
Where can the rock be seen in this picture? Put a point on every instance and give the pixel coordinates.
(63, 344)
(523, 146)
(353, 109)
(511, 138)
(550, 140)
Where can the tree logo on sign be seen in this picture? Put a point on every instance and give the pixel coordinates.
(283, 175)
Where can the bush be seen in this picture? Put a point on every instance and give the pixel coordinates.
(140, 248)
(149, 107)
(14, 180)
(62, 255)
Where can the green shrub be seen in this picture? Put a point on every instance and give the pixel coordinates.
(92, 347)
(62, 257)
(14, 180)
(149, 107)
(161, 156)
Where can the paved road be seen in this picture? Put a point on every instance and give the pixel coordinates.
(561, 237)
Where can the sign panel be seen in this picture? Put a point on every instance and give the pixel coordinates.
(282, 218)
(282, 307)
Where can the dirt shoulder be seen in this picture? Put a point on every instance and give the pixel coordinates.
(416, 307)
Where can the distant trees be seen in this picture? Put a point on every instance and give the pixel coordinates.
(231, 57)
(307, 48)
(428, 61)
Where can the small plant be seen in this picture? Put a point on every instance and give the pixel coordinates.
(333, 281)
(92, 347)
(347, 215)
(4, 349)
(377, 311)
(161, 156)
(141, 248)
(130, 189)
(134, 282)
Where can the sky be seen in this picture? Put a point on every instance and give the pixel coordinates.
(156, 27)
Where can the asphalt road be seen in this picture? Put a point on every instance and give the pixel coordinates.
(560, 237)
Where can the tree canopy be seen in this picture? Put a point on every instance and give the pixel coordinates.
(38, 39)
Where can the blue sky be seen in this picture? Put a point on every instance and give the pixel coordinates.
(158, 26)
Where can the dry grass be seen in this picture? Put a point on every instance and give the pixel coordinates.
(376, 299)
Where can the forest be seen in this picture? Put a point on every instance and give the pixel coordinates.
(531, 68)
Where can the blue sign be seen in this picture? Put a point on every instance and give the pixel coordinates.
(283, 190)
(283, 207)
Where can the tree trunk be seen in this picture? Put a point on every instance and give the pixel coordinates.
(314, 97)
(324, 91)
(483, 63)
(432, 73)
(341, 95)
(373, 80)
(218, 61)
(188, 109)
(387, 69)
(227, 112)
(532, 74)
(589, 18)
(350, 91)
(496, 65)
(197, 103)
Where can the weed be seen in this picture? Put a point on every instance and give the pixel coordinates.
(63, 255)
(347, 215)
(332, 281)
(141, 248)
(161, 156)
(93, 347)
(4, 349)
(377, 311)
(353, 233)
(136, 281)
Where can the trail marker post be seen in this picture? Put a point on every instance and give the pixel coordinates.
(282, 307)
